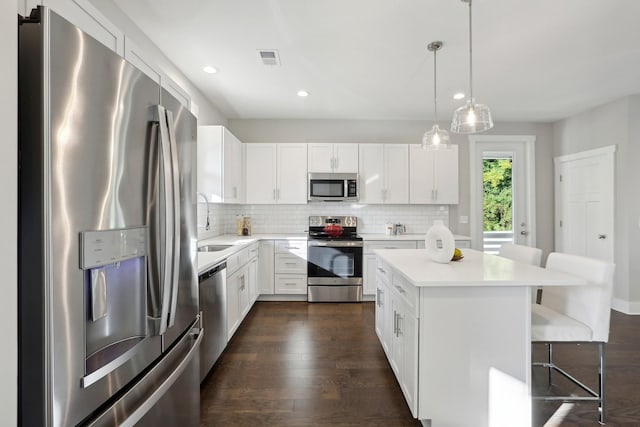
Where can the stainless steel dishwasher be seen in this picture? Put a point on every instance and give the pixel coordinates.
(213, 305)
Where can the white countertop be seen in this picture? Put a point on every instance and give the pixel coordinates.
(475, 269)
(413, 236)
(206, 260)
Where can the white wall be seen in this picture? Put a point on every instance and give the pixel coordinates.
(615, 123)
(8, 215)
(381, 131)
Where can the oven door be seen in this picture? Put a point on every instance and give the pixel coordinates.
(334, 262)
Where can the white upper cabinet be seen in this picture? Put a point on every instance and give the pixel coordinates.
(433, 175)
(276, 173)
(261, 173)
(220, 165)
(384, 173)
(341, 158)
(84, 15)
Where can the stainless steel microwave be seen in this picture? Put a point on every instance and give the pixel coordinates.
(336, 187)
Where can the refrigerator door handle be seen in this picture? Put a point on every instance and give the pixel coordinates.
(175, 175)
(166, 241)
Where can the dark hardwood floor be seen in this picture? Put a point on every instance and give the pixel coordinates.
(299, 364)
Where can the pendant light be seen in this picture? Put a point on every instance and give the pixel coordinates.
(435, 137)
(472, 117)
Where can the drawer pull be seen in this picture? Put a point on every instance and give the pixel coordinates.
(382, 270)
(290, 284)
(402, 291)
(291, 263)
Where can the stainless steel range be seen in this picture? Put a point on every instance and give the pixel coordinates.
(334, 259)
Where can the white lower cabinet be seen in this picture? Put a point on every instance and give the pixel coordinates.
(265, 268)
(397, 329)
(290, 266)
(242, 287)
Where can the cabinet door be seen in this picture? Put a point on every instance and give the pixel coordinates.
(261, 173)
(345, 158)
(409, 371)
(369, 275)
(244, 302)
(421, 186)
(86, 16)
(233, 171)
(265, 268)
(382, 315)
(396, 173)
(253, 281)
(320, 157)
(446, 175)
(371, 171)
(292, 173)
(233, 296)
(209, 148)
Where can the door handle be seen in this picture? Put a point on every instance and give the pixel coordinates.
(524, 233)
(602, 236)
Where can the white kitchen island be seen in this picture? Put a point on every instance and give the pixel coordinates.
(458, 335)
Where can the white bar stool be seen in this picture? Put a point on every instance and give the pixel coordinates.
(577, 314)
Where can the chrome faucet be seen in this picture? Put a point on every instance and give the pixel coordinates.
(207, 225)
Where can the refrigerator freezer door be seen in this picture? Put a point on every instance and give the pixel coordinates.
(168, 395)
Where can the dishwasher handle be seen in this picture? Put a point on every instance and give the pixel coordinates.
(213, 270)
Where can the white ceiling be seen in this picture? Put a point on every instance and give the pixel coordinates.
(537, 60)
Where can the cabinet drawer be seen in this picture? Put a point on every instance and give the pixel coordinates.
(252, 251)
(290, 263)
(406, 292)
(369, 247)
(383, 271)
(237, 260)
(290, 284)
(291, 246)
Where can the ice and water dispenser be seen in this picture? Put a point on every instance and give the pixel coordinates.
(115, 288)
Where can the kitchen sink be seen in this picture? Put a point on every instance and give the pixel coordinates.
(213, 248)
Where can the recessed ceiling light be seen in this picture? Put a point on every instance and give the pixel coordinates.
(209, 69)
(458, 95)
(303, 93)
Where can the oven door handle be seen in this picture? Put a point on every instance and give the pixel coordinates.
(336, 243)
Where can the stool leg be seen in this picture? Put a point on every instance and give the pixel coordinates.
(601, 382)
(550, 360)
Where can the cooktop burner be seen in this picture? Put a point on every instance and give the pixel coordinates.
(333, 228)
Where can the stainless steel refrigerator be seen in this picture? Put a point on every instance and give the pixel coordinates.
(109, 330)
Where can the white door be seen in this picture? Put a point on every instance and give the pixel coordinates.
(261, 173)
(584, 203)
(519, 150)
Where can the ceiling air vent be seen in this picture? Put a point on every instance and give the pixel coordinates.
(269, 57)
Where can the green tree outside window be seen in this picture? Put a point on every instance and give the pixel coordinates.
(498, 194)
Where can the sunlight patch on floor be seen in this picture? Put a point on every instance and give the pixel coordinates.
(560, 414)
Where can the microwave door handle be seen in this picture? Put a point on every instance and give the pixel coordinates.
(165, 238)
(175, 177)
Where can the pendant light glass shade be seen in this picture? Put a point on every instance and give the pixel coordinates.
(436, 137)
(472, 117)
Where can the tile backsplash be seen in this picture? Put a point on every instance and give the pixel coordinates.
(294, 218)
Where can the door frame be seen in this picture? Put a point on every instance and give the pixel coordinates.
(476, 143)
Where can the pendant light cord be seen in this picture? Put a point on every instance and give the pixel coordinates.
(435, 90)
(470, 56)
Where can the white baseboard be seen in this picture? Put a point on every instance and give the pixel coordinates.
(626, 307)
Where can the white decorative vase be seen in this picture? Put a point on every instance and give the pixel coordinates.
(439, 243)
